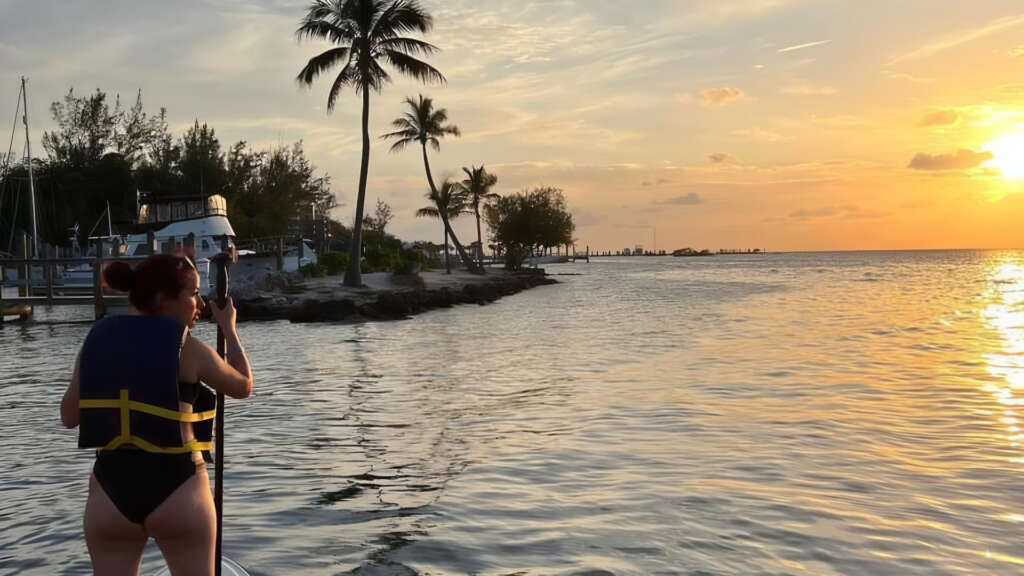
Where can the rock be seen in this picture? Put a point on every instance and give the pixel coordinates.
(412, 297)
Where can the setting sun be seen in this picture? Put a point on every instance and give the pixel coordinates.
(1008, 153)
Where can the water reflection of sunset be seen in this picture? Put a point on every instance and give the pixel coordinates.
(1005, 315)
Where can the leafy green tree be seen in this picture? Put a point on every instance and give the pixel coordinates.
(85, 127)
(202, 163)
(423, 124)
(161, 150)
(526, 223)
(99, 156)
(265, 189)
(478, 184)
(367, 34)
(446, 202)
(379, 221)
(133, 130)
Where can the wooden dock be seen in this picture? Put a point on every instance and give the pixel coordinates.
(40, 283)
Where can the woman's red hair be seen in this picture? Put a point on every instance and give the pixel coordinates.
(166, 274)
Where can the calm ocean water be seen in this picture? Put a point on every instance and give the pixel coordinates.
(805, 414)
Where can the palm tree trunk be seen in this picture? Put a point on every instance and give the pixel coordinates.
(447, 262)
(470, 264)
(353, 276)
(479, 242)
(426, 164)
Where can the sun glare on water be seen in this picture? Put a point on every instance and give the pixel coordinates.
(1009, 156)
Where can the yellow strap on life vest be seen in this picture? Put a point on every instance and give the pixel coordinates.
(190, 446)
(126, 405)
(149, 409)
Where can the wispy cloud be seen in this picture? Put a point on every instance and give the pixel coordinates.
(944, 117)
(658, 182)
(907, 77)
(802, 46)
(844, 212)
(959, 38)
(685, 200)
(760, 135)
(807, 89)
(719, 158)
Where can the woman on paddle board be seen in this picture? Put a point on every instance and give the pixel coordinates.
(136, 398)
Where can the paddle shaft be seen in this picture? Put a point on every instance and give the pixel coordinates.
(221, 262)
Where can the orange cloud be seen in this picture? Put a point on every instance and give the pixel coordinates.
(962, 159)
(720, 96)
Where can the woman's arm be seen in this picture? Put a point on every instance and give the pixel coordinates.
(69, 404)
(234, 377)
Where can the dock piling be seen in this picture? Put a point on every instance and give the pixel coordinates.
(50, 270)
(99, 306)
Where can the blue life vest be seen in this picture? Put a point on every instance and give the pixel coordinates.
(128, 375)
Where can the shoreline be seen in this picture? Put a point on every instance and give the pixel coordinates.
(384, 296)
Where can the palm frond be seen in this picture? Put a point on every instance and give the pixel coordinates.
(375, 77)
(428, 212)
(400, 17)
(404, 136)
(345, 78)
(321, 63)
(413, 67)
(410, 46)
(404, 125)
(321, 29)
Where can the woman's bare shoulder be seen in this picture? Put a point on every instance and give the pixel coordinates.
(194, 353)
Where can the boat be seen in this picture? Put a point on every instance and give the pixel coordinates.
(172, 219)
(163, 220)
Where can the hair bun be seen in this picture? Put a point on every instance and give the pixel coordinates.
(119, 276)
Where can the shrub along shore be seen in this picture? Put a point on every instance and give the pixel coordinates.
(385, 296)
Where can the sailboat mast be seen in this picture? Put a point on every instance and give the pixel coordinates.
(31, 179)
(110, 226)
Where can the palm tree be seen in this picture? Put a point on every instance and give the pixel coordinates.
(367, 33)
(478, 187)
(422, 123)
(446, 203)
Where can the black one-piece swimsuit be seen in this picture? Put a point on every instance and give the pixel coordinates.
(137, 481)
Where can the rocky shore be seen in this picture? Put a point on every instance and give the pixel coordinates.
(279, 296)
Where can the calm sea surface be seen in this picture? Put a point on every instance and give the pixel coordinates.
(806, 414)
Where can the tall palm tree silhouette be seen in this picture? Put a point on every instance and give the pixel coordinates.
(368, 33)
(423, 124)
(478, 185)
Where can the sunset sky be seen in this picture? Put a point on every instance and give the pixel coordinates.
(778, 124)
